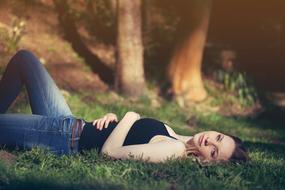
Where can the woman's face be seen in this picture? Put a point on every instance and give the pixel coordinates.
(213, 145)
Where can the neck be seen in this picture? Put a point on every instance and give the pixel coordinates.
(183, 138)
(191, 148)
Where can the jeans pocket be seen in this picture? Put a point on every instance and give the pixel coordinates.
(53, 134)
(66, 124)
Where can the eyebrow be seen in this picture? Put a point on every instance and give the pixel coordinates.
(222, 137)
(217, 149)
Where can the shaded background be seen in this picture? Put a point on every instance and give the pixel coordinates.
(241, 72)
(255, 30)
(244, 36)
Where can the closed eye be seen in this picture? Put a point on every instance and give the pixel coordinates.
(219, 137)
(213, 152)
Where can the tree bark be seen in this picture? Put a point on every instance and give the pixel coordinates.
(185, 66)
(114, 6)
(130, 72)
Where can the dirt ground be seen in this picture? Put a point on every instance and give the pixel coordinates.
(7, 157)
(43, 37)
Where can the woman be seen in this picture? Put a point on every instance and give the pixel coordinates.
(53, 126)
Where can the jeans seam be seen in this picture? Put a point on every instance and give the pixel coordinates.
(44, 98)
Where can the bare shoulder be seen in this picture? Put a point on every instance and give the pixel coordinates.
(170, 131)
(183, 138)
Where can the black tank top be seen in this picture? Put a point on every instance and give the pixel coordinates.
(141, 132)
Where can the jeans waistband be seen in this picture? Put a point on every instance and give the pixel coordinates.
(77, 129)
(73, 127)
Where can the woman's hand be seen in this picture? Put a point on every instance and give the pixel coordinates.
(104, 121)
(117, 137)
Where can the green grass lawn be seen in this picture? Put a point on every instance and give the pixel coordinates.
(38, 169)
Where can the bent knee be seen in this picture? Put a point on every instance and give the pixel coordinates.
(23, 53)
(25, 57)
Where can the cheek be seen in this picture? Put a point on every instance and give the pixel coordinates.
(204, 151)
(195, 141)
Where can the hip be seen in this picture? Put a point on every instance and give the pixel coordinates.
(58, 134)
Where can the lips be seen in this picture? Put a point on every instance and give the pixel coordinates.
(200, 140)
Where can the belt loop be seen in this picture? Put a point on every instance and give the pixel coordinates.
(77, 129)
(74, 126)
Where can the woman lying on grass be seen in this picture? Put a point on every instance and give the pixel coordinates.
(53, 126)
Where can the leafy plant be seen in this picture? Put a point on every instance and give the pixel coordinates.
(11, 36)
(239, 84)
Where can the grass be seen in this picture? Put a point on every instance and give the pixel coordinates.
(38, 169)
(41, 170)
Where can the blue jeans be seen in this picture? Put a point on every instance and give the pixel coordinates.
(50, 124)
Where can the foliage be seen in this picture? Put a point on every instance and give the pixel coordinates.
(160, 22)
(239, 84)
(12, 36)
(97, 17)
(38, 169)
(41, 170)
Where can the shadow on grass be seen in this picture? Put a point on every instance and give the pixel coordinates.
(272, 117)
(54, 184)
(269, 148)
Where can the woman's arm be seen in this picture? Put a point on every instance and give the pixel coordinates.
(151, 152)
(118, 135)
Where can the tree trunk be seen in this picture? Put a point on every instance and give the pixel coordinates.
(113, 6)
(185, 65)
(130, 72)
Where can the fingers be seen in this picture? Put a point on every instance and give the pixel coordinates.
(108, 121)
(101, 123)
(94, 122)
(105, 121)
(115, 118)
(112, 116)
